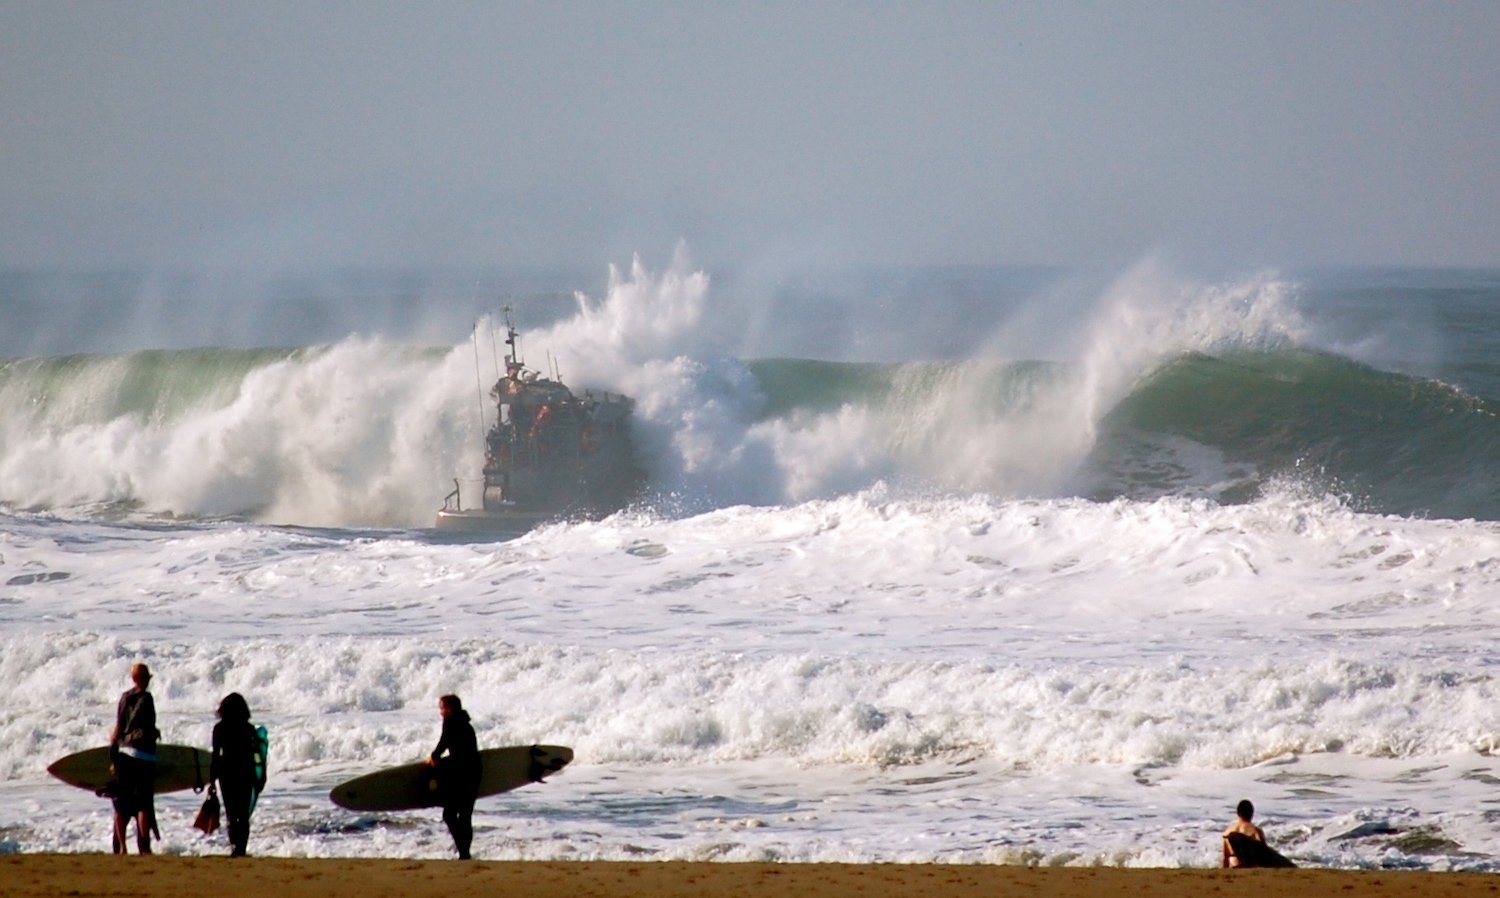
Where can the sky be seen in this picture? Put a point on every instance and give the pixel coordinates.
(291, 135)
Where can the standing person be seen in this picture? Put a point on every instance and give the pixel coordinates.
(132, 751)
(233, 768)
(458, 773)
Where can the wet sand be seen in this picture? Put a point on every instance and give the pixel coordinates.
(42, 875)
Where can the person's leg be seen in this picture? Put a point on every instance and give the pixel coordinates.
(463, 836)
(145, 818)
(145, 821)
(239, 836)
(237, 809)
(143, 832)
(450, 820)
(127, 801)
(122, 827)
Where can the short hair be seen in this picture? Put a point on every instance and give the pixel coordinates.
(1245, 809)
(139, 672)
(452, 702)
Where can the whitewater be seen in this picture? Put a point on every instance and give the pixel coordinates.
(1059, 592)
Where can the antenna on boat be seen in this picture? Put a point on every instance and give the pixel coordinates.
(513, 356)
(478, 378)
(495, 344)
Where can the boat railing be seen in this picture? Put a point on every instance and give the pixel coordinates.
(455, 498)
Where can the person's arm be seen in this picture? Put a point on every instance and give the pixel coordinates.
(1224, 844)
(147, 717)
(213, 758)
(114, 734)
(441, 746)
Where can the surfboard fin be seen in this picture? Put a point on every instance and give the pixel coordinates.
(537, 769)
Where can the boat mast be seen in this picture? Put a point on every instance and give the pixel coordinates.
(478, 378)
(512, 355)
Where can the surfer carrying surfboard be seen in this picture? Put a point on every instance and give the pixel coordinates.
(132, 751)
(236, 767)
(457, 772)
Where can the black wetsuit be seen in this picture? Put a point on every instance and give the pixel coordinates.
(233, 768)
(458, 778)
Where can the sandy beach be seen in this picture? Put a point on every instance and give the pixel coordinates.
(42, 875)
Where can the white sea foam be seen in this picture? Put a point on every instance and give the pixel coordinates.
(883, 631)
(802, 681)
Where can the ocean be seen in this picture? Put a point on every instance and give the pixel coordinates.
(949, 565)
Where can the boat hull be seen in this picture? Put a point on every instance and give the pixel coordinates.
(482, 521)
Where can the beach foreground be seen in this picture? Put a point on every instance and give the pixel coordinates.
(86, 875)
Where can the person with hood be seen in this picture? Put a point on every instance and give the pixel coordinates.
(132, 753)
(236, 768)
(457, 772)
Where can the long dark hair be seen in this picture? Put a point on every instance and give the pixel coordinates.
(234, 707)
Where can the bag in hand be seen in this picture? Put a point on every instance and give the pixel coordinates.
(208, 815)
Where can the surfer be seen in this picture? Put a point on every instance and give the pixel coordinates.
(1245, 843)
(132, 754)
(235, 768)
(458, 772)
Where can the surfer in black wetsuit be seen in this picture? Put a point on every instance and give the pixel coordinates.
(457, 772)
(132, 753)
(234, 768)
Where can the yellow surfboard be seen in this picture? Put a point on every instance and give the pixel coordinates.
(177, 767)
(412, 786)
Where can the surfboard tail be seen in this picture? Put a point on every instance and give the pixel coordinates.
(543, 764)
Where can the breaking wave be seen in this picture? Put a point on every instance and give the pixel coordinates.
(1166, 389)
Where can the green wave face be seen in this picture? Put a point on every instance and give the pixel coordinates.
(1389, 442)
(1227, 427)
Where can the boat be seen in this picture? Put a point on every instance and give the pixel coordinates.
(550, 455)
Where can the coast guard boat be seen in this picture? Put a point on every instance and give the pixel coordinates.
(550, 454)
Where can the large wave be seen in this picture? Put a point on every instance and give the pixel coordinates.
(1160, 387)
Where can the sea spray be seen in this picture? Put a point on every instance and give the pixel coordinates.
(1026, 427)
(1161, 386)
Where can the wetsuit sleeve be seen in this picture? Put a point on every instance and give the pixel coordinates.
(213, 757)
(119, 730)
(147, 715)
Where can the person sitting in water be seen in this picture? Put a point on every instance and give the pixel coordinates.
(1244, 812)
(1244, 843)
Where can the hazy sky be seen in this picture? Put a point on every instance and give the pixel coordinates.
(804, 133)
